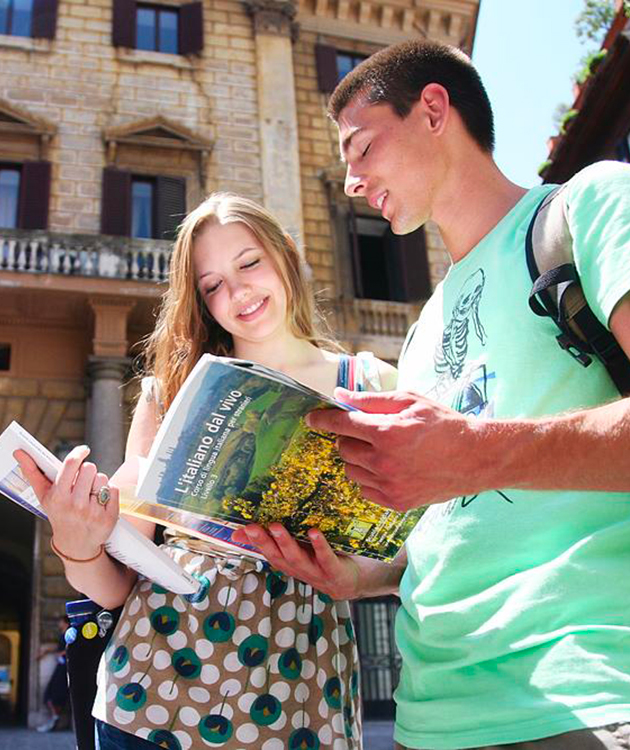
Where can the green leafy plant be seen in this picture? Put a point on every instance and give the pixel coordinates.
(567, 119)
(591, 63)
(544, 166)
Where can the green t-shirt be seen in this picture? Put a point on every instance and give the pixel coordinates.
(515, 617)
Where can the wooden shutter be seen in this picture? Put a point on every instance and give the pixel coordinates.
(354, 251)
(326, 61)
(171, 206)
(124, 23)
(407, 266)
(116, 202)
(34, 195)
(44, 21)
(191, 29)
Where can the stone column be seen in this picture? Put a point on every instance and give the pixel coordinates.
(105, 427)
(274, 28)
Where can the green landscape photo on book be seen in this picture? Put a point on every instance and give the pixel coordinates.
(244, 454)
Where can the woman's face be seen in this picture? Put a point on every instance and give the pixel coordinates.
(239, 283)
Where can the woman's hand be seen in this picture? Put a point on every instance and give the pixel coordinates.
(79, 522)
(338, 576)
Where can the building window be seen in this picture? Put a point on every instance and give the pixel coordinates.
(347, 61)
(24, 194)
(15, 17)
(5, 357)
(9, 196)
(332, 65)
(142, 206)
(156, 28)
(175, 30)
(387, 266)
(34, 18)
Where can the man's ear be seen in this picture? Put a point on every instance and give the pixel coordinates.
(434, 104)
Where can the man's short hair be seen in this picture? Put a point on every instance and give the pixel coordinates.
(398, 74)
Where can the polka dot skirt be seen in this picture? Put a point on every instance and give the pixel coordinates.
(261, 662)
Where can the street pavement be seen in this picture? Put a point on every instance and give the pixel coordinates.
(377, 736)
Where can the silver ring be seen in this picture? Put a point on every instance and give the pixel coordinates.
(103, 495)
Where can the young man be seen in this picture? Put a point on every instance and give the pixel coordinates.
(515, 620)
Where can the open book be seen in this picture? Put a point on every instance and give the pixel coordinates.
(234, 449)
(125, 543)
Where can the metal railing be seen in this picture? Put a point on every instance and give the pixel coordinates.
(93, 255)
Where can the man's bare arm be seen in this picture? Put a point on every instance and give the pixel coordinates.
(408, 451)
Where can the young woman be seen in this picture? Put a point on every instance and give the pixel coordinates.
(263, 661)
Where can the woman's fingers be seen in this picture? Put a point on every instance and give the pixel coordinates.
(66, 479)
(83, 484)
(40, 483)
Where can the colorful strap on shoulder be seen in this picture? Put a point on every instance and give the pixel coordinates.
(346, 372)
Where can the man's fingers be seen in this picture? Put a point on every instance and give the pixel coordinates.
(349, 423)
(32, 474)
(357, 452)
(371, 493)
(375, 402)
(363, 477)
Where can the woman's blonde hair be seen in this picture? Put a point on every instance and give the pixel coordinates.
(184, 329)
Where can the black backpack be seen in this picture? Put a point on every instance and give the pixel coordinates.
(557, 291)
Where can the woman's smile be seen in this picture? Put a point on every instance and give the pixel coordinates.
(253, 311)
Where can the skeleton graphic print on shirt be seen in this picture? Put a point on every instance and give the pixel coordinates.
(464, 383)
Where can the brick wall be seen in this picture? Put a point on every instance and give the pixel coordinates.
(82, 85)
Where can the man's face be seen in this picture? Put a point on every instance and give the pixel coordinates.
(391, 161)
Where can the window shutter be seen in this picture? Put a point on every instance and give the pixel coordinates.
(116, 202)
(34, 195)
(408, 266)
(124, 23)
(44, 22)
(190, 29)
(326, 61)
(171, 206)
(354, 250)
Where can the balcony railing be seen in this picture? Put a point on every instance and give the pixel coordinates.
(368, 317)
(93, 255)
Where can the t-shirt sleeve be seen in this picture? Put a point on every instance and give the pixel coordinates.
(598, 203)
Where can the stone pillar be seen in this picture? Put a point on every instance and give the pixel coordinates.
(274, 28)
(105, 423)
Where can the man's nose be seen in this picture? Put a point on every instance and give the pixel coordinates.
(354, 184)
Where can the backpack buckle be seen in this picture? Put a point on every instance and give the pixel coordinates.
(569, 346)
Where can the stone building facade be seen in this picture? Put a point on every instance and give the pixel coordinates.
(118, 116)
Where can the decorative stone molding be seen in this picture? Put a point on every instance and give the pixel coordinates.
(273, 17)
(390, 22)
(158, 132)
(16, 122)
(110, 326)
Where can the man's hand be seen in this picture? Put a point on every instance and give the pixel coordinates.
(403, 449)
(336, 575)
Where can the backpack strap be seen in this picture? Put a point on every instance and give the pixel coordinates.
(557, 291)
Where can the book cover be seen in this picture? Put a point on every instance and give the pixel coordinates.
(234, 449)
(125, 543)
